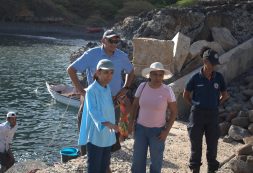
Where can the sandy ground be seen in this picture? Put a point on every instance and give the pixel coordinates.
(176, 155)
(177, 152)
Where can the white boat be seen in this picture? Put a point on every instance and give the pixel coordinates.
(65, 94)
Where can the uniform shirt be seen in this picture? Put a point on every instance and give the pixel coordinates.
(153, 104)
(6, 136)
(98, 108)
(88, 62)
(206, 93)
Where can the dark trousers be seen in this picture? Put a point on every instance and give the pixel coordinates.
(79, 120)
(7, 159)
(204, 122)
(98, 158)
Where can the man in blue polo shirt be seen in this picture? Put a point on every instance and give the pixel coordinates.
(88, 61)
(208, 91)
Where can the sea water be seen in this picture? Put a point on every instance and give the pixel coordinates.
(44, 126)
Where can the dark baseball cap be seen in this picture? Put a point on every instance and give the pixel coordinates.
(110, 33)
(211, 56)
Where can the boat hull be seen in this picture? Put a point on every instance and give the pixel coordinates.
(63, 98)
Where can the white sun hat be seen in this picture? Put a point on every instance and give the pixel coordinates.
(156, 66)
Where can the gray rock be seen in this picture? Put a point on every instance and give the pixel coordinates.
(250, 85)
(243, 114)
(239, 166)
(224, 37)
(248, 79)
(238, 133)
(250, 128)
(230, 116)
(245, 150)
(250, 114)
(224, 127)
(237, 107)
(250, 162)
(242, 157)
(248, 92)
(248, 140)
(241, 121)
(251, 100)
(228, 139)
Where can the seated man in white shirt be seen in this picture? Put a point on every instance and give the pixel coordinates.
(7, 131)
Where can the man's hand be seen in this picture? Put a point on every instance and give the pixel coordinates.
(111, 126)
(82, 92)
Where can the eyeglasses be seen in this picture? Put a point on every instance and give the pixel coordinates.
(111, 41)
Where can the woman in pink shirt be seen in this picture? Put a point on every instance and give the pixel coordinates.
(151, 129)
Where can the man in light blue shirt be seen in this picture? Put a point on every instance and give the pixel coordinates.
(88, 61)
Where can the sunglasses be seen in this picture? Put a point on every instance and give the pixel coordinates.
(111, 41)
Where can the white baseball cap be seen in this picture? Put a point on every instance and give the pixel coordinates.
(11, 114)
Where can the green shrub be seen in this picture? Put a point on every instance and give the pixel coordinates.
(186, 3)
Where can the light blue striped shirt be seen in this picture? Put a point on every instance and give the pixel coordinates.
(98, 108)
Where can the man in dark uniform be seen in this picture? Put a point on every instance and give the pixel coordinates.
(208, 91)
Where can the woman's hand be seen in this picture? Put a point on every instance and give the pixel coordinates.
(163, 135)
(131, 126)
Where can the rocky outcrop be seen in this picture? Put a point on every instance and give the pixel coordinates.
(195, 22)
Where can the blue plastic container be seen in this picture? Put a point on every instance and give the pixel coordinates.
(68, 153)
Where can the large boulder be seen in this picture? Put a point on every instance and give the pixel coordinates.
(180, 51)
(196, 47)
(149, 50)
(238, 133)
(224, 37)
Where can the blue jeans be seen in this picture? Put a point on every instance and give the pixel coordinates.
(145, 137)
(98, 158)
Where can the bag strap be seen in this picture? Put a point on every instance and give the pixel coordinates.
(143, 89)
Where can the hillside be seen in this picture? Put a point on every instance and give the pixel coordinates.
(94, 13)
(85, 12)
